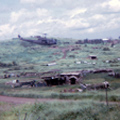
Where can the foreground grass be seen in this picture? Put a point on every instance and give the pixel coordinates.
(65, 110)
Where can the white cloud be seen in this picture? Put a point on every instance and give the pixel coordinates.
(15, 16)
(76, 23)
(28, 1)
(113, 5)
(76, 11)
(42, 12)
(113, 24)
(107, 25)
(24, 15)
(61, 18)
(6, 28)
(98, 17)
(37, 2)
(6, 31)
(91, 30)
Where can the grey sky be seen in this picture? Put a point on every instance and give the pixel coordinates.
(60, 18)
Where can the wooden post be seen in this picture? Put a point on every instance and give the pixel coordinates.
(25, 116)
(38, 118)
(106, 97)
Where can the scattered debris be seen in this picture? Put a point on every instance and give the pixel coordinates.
(8, 64)
(103, 85)
(13, 83)
(51, 64)
(98, 41)
(78, 62)
(93, 41)
(106, 49)
(17, 83)
(102, 71)
(114, 74)
(93, 57)
(10, 75)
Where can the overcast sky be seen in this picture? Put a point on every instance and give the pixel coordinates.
(77, 19)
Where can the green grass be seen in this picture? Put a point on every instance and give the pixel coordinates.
(34, 58)
(36, 55)
(55, 93)
(65, 110)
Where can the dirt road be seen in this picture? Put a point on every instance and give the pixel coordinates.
(11, 102)
(20, 100)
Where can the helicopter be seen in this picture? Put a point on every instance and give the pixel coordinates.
(40, 40)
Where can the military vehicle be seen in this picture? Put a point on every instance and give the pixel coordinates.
(39, 40)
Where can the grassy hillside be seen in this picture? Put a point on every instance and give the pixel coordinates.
(18, 57)
(70, 56)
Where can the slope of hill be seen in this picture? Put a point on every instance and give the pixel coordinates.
(19, 57)
(67, 56)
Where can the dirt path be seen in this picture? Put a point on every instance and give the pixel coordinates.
(11, 102)
(20, 100)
